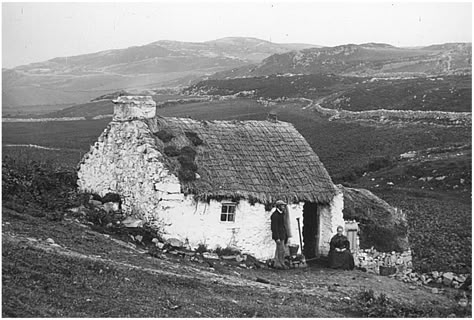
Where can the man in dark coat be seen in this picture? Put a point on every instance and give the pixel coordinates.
(279, 234)
(340, 256)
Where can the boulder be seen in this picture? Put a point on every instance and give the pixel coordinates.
(383, 227)
(448, 275)
(131, 222)
(459, 278)
(210, 255)
(111, 206)
(175, 242)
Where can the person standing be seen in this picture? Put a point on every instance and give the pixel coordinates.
(280, 233)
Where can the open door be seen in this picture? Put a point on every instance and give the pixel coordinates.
(311, 230)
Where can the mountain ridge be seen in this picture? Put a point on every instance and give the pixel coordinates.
(78, 79)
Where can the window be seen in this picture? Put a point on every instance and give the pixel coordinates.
(228, 212)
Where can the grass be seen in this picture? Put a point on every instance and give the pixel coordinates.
(447, 93)
(91, 276)
(346, 149)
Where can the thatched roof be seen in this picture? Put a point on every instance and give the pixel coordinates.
(261, 161)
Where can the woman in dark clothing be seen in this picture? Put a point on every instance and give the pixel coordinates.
(340, 256)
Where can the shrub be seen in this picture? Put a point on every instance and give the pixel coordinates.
(202, 247)
(164, 135)
(37, 183)
(381, 238)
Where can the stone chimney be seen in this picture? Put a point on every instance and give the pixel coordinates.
(133, 108)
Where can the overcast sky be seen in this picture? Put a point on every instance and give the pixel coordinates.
(33, 32)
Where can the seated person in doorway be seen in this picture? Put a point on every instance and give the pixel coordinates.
(340, 256)
(280, 233)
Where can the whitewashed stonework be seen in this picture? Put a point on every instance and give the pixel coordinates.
(126, 161)
(330, 218)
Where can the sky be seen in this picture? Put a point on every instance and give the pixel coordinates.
(34, 32)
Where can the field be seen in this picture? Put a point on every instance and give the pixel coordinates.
(348, 150)
(342, 146)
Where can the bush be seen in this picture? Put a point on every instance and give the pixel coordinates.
(37, 183)
(202, 247)
(381, 238)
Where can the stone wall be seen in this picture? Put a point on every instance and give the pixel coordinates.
(124, 161)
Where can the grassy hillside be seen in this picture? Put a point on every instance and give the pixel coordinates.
(347, 149)
(447, 93)
(368, 59)
(68, 268)
(342, 146)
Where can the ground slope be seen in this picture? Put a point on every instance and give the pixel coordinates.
(64, 268)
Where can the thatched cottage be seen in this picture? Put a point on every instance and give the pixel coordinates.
(213, 182)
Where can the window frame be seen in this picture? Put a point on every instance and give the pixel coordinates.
(227, 212)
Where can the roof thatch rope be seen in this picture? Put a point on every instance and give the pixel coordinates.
(260, 160)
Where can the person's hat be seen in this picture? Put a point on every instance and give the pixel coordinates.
(280, 202)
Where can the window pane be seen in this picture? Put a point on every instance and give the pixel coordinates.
(231, 209)
(223, 217)
(224, 209)
(230, 217)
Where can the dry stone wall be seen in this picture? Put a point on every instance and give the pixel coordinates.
(124, 161)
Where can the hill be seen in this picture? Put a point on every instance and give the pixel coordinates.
(353, 152)
(363, 60)
(447, 93)
(58, 247)
(68, 267)
(77, 79)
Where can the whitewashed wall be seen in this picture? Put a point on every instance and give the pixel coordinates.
(331, 217)
(199, 223)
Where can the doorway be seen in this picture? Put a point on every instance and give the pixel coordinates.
(311, 230)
